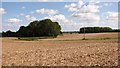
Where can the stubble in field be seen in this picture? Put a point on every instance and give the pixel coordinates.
(66, 50)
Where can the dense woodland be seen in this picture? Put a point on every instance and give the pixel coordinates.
(36, 29)
(53, 29)
(97, 29)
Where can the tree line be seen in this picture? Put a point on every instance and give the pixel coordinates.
(36, 29)
(97, 29)
(48, 28)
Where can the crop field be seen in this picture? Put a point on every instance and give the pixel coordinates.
(99, 49)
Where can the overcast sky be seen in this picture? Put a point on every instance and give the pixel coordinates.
(70, 15)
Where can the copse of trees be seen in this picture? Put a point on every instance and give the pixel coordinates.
(37, 29)
(9, 34)
(116, 30)
(97, 29)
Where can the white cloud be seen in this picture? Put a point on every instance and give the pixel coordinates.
(30, 18)
(86, 13)
(72, 7)
(21, 14)
(111, 20)
(112, 17)
(66, 23)
(107, 4)
(46, 11)
(91, 8)
(97, 2)
(27, 17)
(2, 11)
(23, 7)
(83, 7)
(59, 18)
(87, 17)
(13, 20)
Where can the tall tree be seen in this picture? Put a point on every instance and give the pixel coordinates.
(40, 28)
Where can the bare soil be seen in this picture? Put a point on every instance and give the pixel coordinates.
(58, 52)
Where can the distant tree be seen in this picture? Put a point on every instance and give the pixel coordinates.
(9, 34)
(95, 29)
(116, 30)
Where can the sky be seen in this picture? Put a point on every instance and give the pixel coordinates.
(70, 15)
(56, 0)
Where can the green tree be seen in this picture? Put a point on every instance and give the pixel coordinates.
(33, 28)
(95, 29)
(23, 31)
(40, 28)
(49, 28)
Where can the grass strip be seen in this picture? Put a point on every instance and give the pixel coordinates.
(32, 38)
(91, 39)
(28, 38)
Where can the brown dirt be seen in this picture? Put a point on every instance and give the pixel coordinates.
(53, 52)
(0, 52)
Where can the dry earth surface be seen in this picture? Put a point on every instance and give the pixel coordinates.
(0, 52)
(65, 50)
